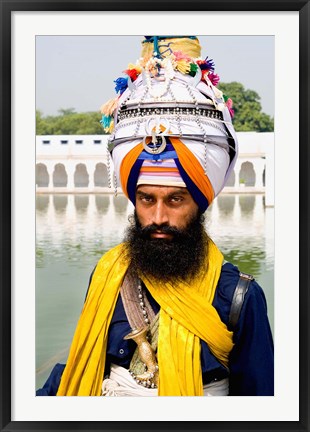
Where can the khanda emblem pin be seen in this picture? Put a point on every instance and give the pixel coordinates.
(158, 141)
(157, 144)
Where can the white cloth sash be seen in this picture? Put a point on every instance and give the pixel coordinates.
(121, 383)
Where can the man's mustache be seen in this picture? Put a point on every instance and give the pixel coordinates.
(163, 228)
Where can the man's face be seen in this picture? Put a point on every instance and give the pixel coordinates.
(164, 206)
(167, 239)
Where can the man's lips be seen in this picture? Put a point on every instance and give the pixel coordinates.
(159, 234)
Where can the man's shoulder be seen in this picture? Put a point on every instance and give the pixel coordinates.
(108, 259)
(227, 284)
(112, 254)
(228, 281)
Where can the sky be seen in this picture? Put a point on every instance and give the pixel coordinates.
(78, 71)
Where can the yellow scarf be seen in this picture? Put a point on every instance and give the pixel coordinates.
(186, 316)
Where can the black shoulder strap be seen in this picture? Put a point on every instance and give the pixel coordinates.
(238, 298)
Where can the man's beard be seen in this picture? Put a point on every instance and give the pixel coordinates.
(179, 258)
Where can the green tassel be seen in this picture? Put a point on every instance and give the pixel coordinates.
(193, 69)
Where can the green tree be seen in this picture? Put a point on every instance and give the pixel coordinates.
(41, 124)
(247, 108)
(66, 111)
(68, 122)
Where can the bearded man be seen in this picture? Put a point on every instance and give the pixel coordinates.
(165, 314)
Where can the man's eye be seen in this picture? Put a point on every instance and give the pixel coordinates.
(176, 199)
(146, 199)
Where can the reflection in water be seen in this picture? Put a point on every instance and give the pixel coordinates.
(236, 223)
(102, 204)
(60, 203)
(73, 231)
(247, 203)
(249, 261)
(226, 203)
(81, 203)
(120, 203)
(42, 202)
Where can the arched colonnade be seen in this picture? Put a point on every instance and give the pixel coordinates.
(71, 174)
(91, 174)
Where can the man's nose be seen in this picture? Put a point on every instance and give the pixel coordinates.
(160, 215)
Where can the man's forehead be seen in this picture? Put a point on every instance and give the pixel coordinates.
(153, 189)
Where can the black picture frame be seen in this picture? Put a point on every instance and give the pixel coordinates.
(6, 9)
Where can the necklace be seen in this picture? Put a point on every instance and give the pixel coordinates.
(142, 304)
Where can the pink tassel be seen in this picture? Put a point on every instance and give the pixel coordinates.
(214, 78)
(229, 104)
(179, 55)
